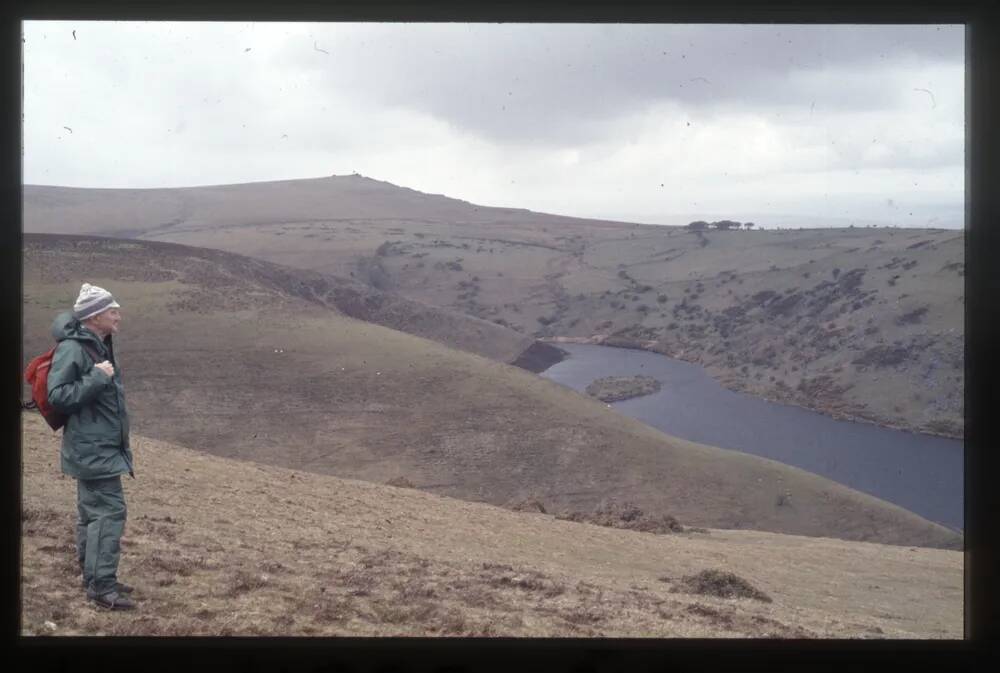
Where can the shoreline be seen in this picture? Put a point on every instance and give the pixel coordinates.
(829, 411)
(539, 356)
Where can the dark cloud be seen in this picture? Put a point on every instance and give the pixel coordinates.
(544, 83)
(591, 120)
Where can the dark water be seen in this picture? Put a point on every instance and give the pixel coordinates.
(921, 473)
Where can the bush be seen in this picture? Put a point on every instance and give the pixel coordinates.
(722, 584)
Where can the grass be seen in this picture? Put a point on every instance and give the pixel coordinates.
(443, 567)
(311, 389)
(544, 260)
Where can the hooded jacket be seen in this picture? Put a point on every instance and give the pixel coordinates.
(95, 441)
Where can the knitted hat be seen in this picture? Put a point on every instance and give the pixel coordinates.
(92, 300)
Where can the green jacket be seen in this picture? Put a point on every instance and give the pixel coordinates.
(95, 438)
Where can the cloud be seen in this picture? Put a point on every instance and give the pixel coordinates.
(588, 120)
(539, 83)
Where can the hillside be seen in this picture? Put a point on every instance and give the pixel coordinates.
(218, 354)
(221, 547)
(343, 295)
(859, 323)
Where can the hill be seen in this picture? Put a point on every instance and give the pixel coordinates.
(222, 547)
(858, 323)
(219, 355)
(343, 295)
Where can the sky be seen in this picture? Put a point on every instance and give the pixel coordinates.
(658, 123)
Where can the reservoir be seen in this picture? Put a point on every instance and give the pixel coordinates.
(921, 473)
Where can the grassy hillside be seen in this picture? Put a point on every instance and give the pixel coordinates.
(222, 547)
(218, 357)
(859, 323)
(343, 295)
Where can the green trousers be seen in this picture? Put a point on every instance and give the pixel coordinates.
(100, 523)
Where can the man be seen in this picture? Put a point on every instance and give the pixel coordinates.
(95, 445)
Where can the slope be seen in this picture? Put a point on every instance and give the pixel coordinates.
(859, 323)
(217, 356)
(222, 547)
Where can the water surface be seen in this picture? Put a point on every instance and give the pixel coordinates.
(922, 473)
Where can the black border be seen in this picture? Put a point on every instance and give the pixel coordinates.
(265, 654)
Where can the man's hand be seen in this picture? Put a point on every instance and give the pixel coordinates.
(107, 368)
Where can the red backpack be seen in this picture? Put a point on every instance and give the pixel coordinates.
(37, 376)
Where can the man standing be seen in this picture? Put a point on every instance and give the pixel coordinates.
(95, 445)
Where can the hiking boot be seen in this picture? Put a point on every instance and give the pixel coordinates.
(119, 587)
(111, 600)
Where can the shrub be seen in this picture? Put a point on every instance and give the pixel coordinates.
(722, 584)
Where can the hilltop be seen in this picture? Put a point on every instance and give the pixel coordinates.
(218, 354)
(223, 547)
(859, 323)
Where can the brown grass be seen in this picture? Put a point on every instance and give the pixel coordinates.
(626, 515)
(357, 400)
(442, 568)
(515, 266)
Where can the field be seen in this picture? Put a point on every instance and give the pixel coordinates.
(222, 547)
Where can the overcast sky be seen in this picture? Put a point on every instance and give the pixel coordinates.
(644, 123)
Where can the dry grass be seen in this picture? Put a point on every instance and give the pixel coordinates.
(357, 400)
(554, 276)
(626, 515)
(442, 568)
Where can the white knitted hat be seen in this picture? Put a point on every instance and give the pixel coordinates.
(92, 300)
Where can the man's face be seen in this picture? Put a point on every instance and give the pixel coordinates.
(107, 321)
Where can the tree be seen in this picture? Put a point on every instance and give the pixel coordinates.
(748, 225)
(723, 224)
(698, 225)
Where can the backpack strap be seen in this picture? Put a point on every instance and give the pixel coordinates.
(92, 352)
